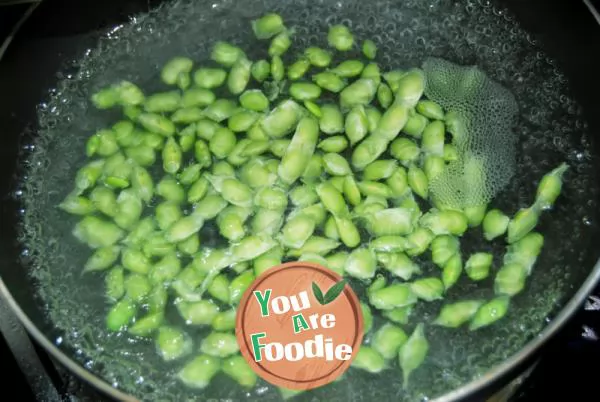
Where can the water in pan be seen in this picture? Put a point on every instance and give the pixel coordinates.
(551, 130)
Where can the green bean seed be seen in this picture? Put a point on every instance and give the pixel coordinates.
(202, 312)
(271, 198)
(332, 199)
(222, 143)
(300, 150)
(388, 244)
(410, 88)
(219, 288)
(379, 170)
(337, 143)
(238, 369)
(495, 224)
(369, 49)
(524, 221)
(107, 143)
(373, 72)
(443, 248)
(280, 44)
(267, 221)
(385, 97)
(399, 315)
(174, 67)
(267, 26)
(102, 258)
(367, 317)
(475, 214)
(157, 246)
(198, 372)
(189, 246)
(340, 37)
(114, 282)
(415, 126)
(226, 54)
(376, 143)
(267, 260)
(163, 102)
(197, 97)
(348, 231)
(255, 100)
(172, 343)
(303, 195)
(430, 110)
(369, 359)
(106, 98)
(137, 287)
(510, 279)
(418, 241)
(297, 230)
(190, 174)
(304, 91)
(314, 169)
(146, 325)
(156, 123)
(398, 183)
(478, 266)
(129, 94)
(330, 230)
(209, 78)
(393, 296)
(373, 117)
(550, 187)
(129, 209)
(336, 165)
(329, 81)
(256, 147)
(169, 189)
(171, 156)
(428, 289)
(318, 57)
(361, 264)
(252, 247)
(165, 269)
(356, 124)
(282, 120)
(399, 264)
(456, 314)
(391, 221)
(413, 352)
(220, 110)
(360, 92)
(315, 245)
(260, 70)
(239, 76)
(142, 155)
(452, 270)
(120, 315)
(388, 339)
(331, 121)
(239, 286)
(87, 176)
(187, 115)
(78, 205)
(525, 251)
(298, 69)
(277, 69)
(224, 321)
(490, 312)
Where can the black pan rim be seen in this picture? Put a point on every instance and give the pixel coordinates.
(494, 375)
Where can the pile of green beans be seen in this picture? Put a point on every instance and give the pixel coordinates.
(313, 161)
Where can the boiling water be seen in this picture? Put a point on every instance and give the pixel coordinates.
(550, 129)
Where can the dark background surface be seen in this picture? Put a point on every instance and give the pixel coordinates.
(569, 362)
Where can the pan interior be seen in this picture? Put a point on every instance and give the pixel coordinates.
(551, 129)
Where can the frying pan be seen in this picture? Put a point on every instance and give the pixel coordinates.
(541, 51)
